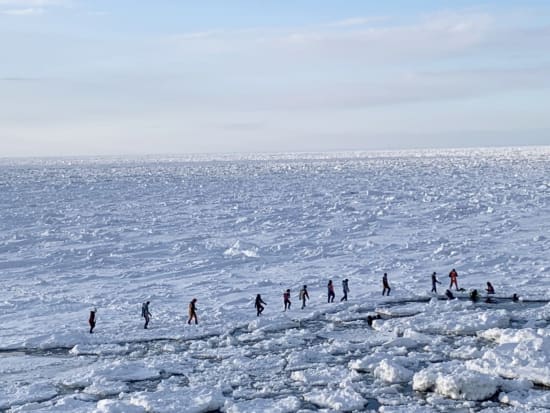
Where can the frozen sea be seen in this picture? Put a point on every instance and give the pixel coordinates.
(111, 233)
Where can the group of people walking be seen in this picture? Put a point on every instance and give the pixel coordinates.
(146, 314)
(303, 295)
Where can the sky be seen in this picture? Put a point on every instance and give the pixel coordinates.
(103, 77)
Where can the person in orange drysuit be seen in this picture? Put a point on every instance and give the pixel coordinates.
(453, 275)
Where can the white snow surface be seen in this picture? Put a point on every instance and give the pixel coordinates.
(519, 354)
(111, 233)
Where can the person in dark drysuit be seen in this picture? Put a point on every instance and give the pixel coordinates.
(145, 313)
(434, 282)
(304, 296)
(453, 275)
(91, 320)
(193, 311)
(345, 290)
(286, 299)
(331, 293)
(474, 295)
(259, 304)
(449, 295)
(385, 284)
(490, 289)
(371, 318)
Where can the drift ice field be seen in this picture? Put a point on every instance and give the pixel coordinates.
(112, 233)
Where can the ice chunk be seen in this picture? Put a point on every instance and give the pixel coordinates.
(526, 399)
(286, 405)
(175, 399)
(320, 375)
(116, 406)
(453, 380)
(17, 394)
(392, 372)
(520, 354)
(344, 399)
(442, 319)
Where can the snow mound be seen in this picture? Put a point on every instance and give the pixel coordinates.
(392, 372)
(452, 380)
(116, 406)
(238, 249)
(180, 400)
(521, 354)
(287, 405)
(105, 349)
(319, 376)
(526, 399)
(344, 399)
(18, 394)
(452, 318)
(271, 324)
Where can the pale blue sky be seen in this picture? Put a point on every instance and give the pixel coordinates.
(142, 77)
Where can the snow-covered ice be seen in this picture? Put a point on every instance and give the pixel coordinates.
(111, 233)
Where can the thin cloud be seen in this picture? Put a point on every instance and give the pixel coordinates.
(22, 12)
(20, 79)
(34, 3)
(30, 7)
(357, 21)
(432, 36)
